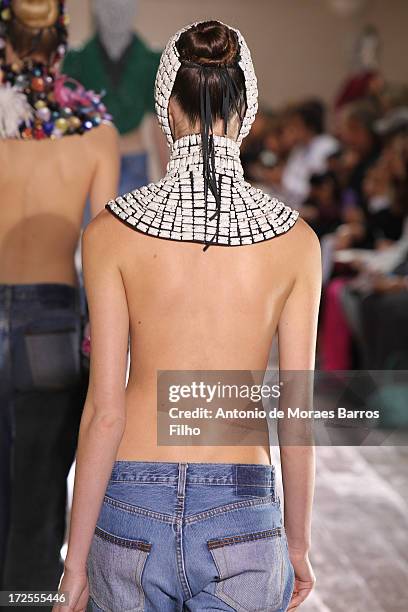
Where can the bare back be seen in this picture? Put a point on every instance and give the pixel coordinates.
(190, 310)
(44, 185)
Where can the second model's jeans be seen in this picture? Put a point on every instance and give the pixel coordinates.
(41, 386)
(133, 172)
(197, 537)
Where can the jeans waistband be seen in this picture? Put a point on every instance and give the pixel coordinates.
(239, 474)
(135, 158)
(65, 295)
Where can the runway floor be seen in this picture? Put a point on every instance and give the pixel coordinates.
(360, 530)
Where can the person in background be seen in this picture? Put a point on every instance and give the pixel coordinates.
(384, 321)
(384, 188)
(57, 147)
(266, 163)
(365, 79)
(116, 60)
(362, 147)
(305, 136)
(322, 208)
(253, 145)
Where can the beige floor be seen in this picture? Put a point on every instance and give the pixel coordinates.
(360, 530)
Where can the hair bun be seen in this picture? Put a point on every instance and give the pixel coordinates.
(36, 13)
(210, 43)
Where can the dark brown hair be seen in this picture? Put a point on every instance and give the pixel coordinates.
(34, 28)
(209, 45)
(26, 41)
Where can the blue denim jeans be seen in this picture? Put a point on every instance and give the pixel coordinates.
(197, 537)
(41, 392)
(133, 172)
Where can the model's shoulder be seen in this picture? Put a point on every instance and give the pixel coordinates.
(295, 238)
(104, 134)
(100, 232)
(301, 250)
(303, 235)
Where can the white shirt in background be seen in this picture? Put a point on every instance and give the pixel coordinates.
(303, 161)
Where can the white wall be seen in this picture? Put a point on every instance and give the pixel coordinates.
(299, 47)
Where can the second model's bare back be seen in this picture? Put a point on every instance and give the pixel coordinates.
(44, 185)
(195, 310)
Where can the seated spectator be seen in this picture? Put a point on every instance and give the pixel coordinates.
(253, 145)
(267, 166)
(350, 307)
(372, 209)
(362, 148)
(353, 191)
(363, 178)
(322, 208)
(305, 130)
(378, 318)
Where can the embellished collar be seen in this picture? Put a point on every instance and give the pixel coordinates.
(175, 208)
(37, 102)
(186, 155)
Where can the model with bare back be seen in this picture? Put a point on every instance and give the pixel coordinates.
(117, 60)
(201, 269)
(57, 146)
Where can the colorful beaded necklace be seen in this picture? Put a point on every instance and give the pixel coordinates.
(36, 101)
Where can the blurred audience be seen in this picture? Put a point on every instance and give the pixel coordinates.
(351, 185)
(309, 146)
(321, 209)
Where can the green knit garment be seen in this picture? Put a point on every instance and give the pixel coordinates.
(133, 98)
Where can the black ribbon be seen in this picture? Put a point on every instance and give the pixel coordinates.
(230, 94)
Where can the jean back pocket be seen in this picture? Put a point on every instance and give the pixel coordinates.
(115, 567)
(46, 354)
(251, 570)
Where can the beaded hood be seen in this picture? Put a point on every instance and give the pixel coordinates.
(166, 76)
(180, 207)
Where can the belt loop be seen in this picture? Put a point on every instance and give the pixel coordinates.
(182, 474)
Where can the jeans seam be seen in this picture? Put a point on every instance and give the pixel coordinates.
(195, 481)
(247, 503)
(263, 485)
(211, 481)
(165, 518)
(95, 599)
(245, 537)
(137, 481)
(180, 508)
(124, 542)
(282, 573)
